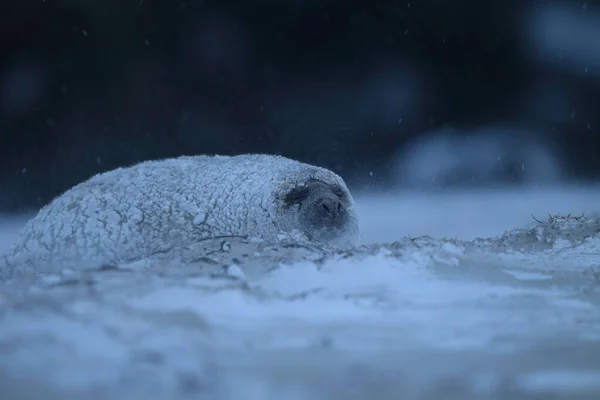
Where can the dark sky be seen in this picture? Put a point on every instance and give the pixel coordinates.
(89, 85)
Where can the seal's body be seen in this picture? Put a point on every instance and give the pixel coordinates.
(128, 213)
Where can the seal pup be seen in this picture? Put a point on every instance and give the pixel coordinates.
(129, 213)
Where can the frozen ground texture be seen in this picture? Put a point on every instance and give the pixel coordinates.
(513, 317)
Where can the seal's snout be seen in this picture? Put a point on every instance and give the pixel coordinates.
(323, 211)
(330, 208)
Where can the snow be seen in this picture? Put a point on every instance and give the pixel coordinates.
(564, 35)
(493, 153)
(416, 317)
(467, 214)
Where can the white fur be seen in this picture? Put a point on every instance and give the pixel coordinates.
(129, 213)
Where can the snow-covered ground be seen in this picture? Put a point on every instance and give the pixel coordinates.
(513, 318)
(467, 214)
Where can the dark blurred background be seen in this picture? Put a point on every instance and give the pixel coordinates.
(386, 93)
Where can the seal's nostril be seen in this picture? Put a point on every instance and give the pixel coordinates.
(331, 207)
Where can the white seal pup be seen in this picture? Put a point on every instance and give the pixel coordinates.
(129, 213)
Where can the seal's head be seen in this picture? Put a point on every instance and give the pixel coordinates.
(322, 211)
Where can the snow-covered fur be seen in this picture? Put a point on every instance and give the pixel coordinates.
(129, 213)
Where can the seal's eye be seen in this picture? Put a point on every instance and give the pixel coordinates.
(296, 195)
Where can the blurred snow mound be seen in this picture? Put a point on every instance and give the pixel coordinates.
(489, 155)
(233, 317)
(564, 35)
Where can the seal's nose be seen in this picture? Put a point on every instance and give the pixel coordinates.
(330, 207)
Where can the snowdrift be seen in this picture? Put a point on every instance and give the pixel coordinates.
(515, 316)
